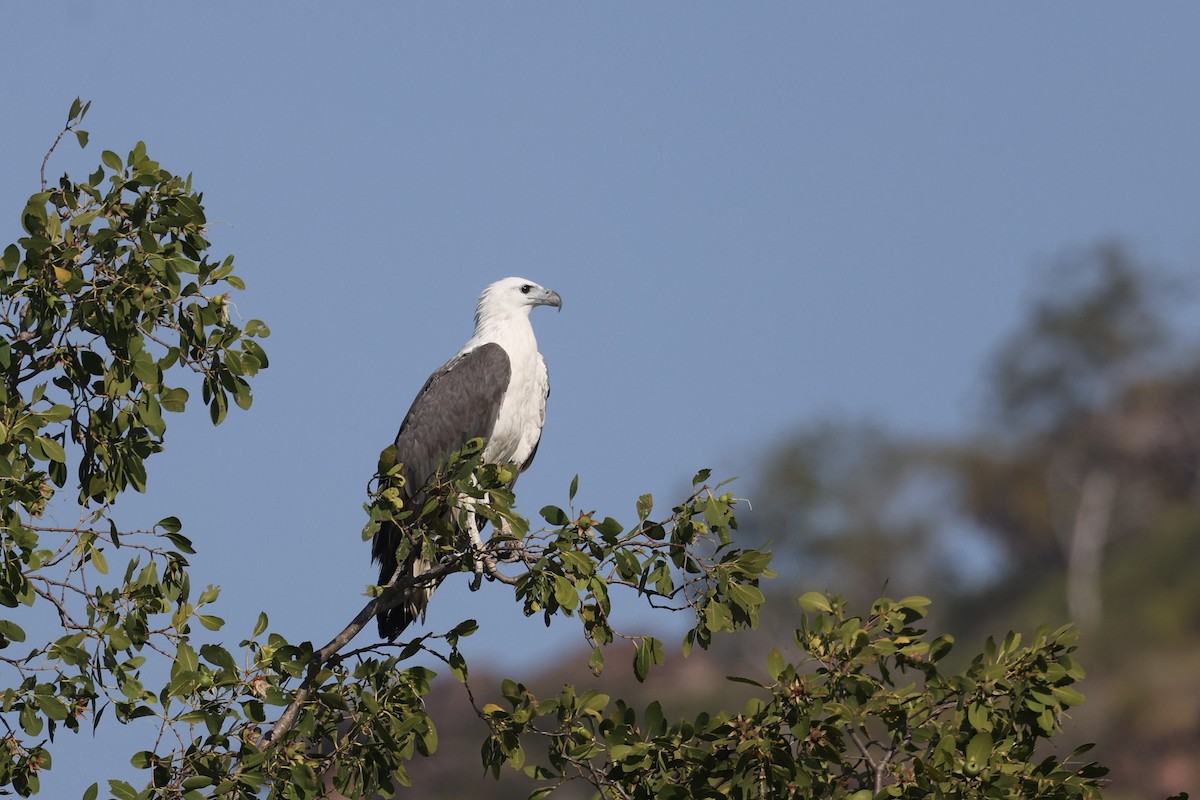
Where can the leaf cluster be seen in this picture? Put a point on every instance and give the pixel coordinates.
(866, 711)
(108, 296)
(684, 562)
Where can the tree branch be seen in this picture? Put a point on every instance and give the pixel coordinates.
(287, 720)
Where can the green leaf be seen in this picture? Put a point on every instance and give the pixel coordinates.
(978, 717)
(218, 408)
(749, 598)
(11, 631)
(242, 395)
(181, 542)
(186, 659)
(775, 663)
(113, 162)
(649, 651)
(1067, 696)
(53, 450)
(210, 622)
(596, 661)
(645, 505)
(717, 617)
(465, 628)
(83, 221)
(554, 515)
(196, 782)
(52, 707)
(257, 327)
(259, 626)
(170, 524)
(815, 601)
(576, 563)
(12, 256)
(31, 723)
(91, 792)
(218, 656)
(915, 603)
(174, 400)
(565, 593)
(979, 751)
(593, 701)
(458, 666)
(655, 721)
(429, 741)
(641, 661)
(609, 528)
(57, 413)
(747, 681)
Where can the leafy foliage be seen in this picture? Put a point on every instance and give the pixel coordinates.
(106, 298)
(866, 712)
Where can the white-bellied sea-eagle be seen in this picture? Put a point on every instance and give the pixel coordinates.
(494, 388)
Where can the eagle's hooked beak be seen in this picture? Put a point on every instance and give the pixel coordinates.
(551, 298)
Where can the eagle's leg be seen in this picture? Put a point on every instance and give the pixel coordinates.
(472, 525)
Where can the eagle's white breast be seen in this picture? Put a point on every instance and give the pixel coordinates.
(522, 413)
(523, 408)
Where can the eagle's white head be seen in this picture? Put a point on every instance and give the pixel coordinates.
(512, 298)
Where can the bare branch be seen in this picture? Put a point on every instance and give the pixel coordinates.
(862, 747)
(881, 767)
(50, 152)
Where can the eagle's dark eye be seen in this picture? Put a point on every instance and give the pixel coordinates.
(526, 288)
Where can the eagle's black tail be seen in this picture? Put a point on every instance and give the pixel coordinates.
(410, 604)
(393, 621)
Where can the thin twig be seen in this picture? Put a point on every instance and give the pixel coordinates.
(881, 767)
(862, 747)
(50, 152)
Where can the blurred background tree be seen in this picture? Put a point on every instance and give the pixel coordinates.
(1078, 499)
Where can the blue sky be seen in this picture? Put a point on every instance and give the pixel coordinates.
(756, 214)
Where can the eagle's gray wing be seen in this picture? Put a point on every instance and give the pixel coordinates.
(461, 401)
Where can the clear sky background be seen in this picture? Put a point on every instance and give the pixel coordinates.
(756, 214)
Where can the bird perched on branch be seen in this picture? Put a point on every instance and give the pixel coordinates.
(494, 388)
